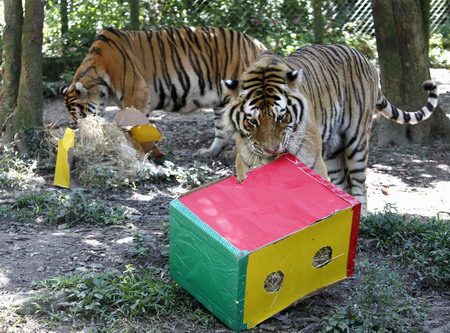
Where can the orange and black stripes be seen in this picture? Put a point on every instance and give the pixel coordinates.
(329, 93)
(174, 69)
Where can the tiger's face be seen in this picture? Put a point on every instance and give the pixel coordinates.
(264, 108)
(81, 102)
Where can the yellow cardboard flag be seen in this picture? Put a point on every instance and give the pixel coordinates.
(62, 170)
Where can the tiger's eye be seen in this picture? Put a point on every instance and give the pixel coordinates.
(252, 122)
(280, 118)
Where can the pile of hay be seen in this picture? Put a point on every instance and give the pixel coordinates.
(103, 155)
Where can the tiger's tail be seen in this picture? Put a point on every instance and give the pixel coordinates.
(403, 117)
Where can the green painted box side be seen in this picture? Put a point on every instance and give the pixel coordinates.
(207, 266)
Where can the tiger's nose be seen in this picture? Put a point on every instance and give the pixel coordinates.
(274, 151)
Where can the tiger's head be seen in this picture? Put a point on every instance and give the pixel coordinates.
(264, 107)
(83, 100)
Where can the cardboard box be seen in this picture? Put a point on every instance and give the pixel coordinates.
(248, 250)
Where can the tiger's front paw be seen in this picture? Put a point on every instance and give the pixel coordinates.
(240, 179)
(206, 152)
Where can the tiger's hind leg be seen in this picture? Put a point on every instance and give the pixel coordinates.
(356, 154)
(336, 168)
(221, 137)
(347, 170)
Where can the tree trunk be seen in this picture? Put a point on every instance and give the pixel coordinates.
(402, 43)
(28, 112)
(134, 14)
(318, 21)
(11, 57)
(64, 24)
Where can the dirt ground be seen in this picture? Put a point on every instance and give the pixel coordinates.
(413, 180)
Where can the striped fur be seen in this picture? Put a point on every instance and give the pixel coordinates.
(318, 104)
(173, 69)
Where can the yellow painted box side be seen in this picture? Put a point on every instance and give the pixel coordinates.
(293, 256)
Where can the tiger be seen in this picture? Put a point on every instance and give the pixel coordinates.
(172, 69)
(317, 104)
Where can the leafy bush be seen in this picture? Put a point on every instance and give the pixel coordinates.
(283, 26)
(379, 303)
(66, 209)
(421, 247)
(87, 18)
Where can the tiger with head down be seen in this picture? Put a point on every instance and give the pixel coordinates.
(172, 69)
(317, 103)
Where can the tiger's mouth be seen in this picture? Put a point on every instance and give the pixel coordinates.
(270, 153)
(80, 111)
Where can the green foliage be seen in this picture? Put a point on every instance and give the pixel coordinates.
(283, 26)
(51, 89)
(15, 172)
(136, 294)
(86, 19)
(65, 210)
(104, 178)
(379, 303)
(190, 177)
(196, 175)
(141, 245)
(439, 51)
(421, 247)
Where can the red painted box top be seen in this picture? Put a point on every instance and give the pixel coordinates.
(274, 201)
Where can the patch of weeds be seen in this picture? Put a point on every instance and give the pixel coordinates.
(42, 145)
(114, 298)
(379, 303)
(200, 173)
(104, 178)
(107, 179)
(66, 209)
(421, 247)
(141, 245)
(157, 170)
(16, 172)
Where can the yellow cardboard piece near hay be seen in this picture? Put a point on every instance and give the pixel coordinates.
(145, 133)
(139, 131)
(62, 169)
(132, 120)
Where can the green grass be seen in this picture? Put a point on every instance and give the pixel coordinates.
(70, 209)
(379, 303)
(381, 300)
(114, 298)
(421, 247)
(141, 245)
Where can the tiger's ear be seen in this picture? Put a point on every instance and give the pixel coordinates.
(230, 88)
(80, 90)
(294, 77)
